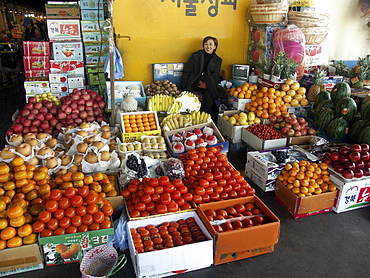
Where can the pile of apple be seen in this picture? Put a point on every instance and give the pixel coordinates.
(351, 162)
(45, 117)
(291, 125)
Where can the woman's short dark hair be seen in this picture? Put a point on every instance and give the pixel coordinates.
(211, 38)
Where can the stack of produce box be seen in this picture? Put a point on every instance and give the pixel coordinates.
(36, 58)
(96, 41)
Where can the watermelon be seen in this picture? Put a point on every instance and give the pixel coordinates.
(326, 103)
(323, 95)
(326, 116)
(364, 136)
(337, 129)
(346, 108)
(356, 118)
(365, 111)
(356, 128)
(339, 91)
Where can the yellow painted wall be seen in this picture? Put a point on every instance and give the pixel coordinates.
(160, 32)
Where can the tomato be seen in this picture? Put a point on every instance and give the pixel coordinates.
(87, 219)
(149, 190)
(159, 189)
(106, 224)
(83, 191)
(44, 216)
(145, 198)
(59, 231)
(91, 198)
(200, 190)
(83, 228)
(38, 226)
(55, 195)
(25, 230)
(250, 191)
(65, 222)
(70, 212)
(71, 230)
(92, 209)
(175, 195)
(221, 182)
(242, 192)
(94, 227)
(107, 210)
(51, 205)
(81, 211)
(197, 199)
(169, 187)
(173, 207)
(64, 203)
(215, 196)
(188, 196)
(165, 198)
(162, 208)
(46, 233)
(217, 175)
(52, 224)
(70, 192)
(232, 194)
(235, 174)
(98, 217)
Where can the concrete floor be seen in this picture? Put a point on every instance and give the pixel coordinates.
(325, 245)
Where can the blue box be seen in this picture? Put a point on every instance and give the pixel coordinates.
(330, 81)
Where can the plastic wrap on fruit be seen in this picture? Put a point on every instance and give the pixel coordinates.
(211, 140)
(280, 155)
(190, 135)
(178, 147)
(173, 168)
(189, 144)
(208, 130)
(177, 137)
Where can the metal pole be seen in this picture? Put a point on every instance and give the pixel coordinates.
(111, 60)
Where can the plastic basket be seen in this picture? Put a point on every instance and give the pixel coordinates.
(101, 261)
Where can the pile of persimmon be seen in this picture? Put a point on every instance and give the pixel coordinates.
(20, 187)
(153, 196)
(73, 211)
(306, 178)
(166, 235)
(210, 177)
(244, 91)
(104, 185)
(235, 216)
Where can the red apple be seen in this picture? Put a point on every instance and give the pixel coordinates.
(348, 174)
(359, 164)
(355, 148)
(37, 105)
(354, 156)
(366, 171)
(32, 99)
(344, 150)
(28, 106)
(326, 160)
(18, 128)
(334, 156)
(365, 155)
(350, 165)
(24, 112)
(365, 147)
(358, 173)
(27, 122)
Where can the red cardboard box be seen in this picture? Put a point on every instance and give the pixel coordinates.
(73, 68)
(36, 73)
(36, 62)
(34, 48)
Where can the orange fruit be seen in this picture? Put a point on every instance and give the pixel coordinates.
(17, 161)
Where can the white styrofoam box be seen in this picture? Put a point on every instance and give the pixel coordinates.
(264, 171)
(59, 87)
(92, 14)
(265, 185)
(76, 82)
(238, 103)
(36, 87)
(126, 89)
(233, 133)
(63, 29)
(259, 144)
(58, 78)
(351, 194)
(91, 4)
(173, 260)
(68, 50)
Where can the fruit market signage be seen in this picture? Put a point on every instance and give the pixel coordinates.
(191, 8)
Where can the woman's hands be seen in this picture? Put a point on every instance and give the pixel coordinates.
(202, 85)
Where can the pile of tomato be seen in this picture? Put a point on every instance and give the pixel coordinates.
(166, 235)
(252, 217)
(210, 177)
(72, 211)
(264, 132)
(156, 196)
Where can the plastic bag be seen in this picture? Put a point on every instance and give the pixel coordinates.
(173, 168)
(120, 236)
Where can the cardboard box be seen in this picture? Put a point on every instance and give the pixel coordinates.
(82, 242)
(268, 83)
(92, 14)
(59, 88)
(62, 11)
(58, 78)
(95, 37)
(36, 73)
(351, 194)
(234, 133)
(259, 144)
(257, 54)
(72, 68)
(222, 142)
(95, 69)
(300, 207)
(91, 4)
(238, 103)
(330, 81)
(300, 110)
(173, 260)
(95, 59)
(96, 78)
(244, 243)
(20, 259)
(262, 35)
(262, 170)
(127, 88)
(36, 87)
(34, 48)
(96, 48)
(303, 140)
(61, 30)
(92, 25)
(135, 136)
(68, 50)
(36, 62)
(313, 55)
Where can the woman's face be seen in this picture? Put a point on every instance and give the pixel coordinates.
(209, 46)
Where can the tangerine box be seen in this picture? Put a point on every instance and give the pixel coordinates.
(135, 136)
(33, 48)
(36, 62)
(70, 248)
(256, 240)
(175, 260)
(300, 207)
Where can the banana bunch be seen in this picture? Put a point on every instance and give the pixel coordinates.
(175, 108)
(175, 121)
(161, 103)
(199, 117)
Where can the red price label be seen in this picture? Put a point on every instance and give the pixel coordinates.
(69, 29)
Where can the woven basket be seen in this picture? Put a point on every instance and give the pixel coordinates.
(315, 35)
(268, 1)
(308, 19)
(268, 17)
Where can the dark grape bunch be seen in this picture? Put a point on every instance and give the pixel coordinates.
(173, 169)
(133, 164)
(281, 155)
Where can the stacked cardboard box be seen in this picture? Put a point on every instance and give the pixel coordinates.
(36, 58)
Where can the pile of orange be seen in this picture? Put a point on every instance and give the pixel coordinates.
(305, 178)
(139, 122)
(244, 91)
(104, 185)
(20, 201)
(266, 102)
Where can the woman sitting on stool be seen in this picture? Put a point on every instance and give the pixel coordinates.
(202, 74)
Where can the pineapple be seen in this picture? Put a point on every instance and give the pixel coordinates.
(361, 72)
(318, 81)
